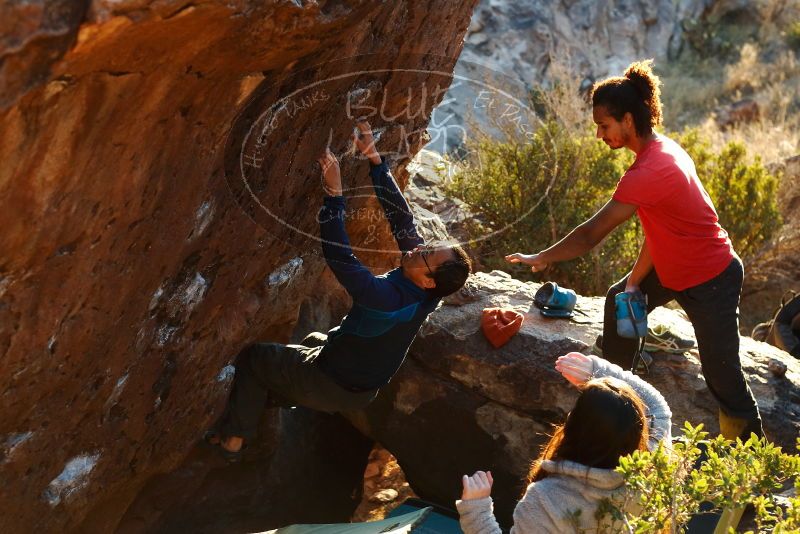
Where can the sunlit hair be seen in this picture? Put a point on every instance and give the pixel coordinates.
(638, 92)
(607, 422)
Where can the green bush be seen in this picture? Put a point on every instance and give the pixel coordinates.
(531, 192)
(712, 38)
(793, 35)
(745, 194)
(666, 488)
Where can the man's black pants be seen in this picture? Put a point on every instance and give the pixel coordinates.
(283, 375)
(713, 309)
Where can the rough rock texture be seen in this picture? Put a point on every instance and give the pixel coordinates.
(602, 38)
(429, 176)
(32, 36)
(145, 236)
(310, 468)
(776, 268)
(514, 45)
(473, 407)
(530, 43)
(382, 473)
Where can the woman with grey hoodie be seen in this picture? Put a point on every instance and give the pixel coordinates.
(616, 413)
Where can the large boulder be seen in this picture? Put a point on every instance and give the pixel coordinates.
(159, 195)
(308, 467)
(458, 405)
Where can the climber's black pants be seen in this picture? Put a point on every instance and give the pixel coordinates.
(713, 309)
(283, 375)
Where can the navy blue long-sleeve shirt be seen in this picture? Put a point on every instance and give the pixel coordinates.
(370, 344)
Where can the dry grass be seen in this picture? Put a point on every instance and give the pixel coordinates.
(690, 90)
(769, 141)
(767, 72)
(563, 97)
(750, 73)
(698, 86)
(775, 87)
(695, 88)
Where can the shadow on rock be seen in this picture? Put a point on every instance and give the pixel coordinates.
(307, 467)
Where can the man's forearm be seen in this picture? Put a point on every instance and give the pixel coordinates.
(395, 207)
(335, 243)
(643, 265)
(339, 256)
(576, 243)
(590, 233)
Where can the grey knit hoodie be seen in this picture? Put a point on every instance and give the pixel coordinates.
(567, 499)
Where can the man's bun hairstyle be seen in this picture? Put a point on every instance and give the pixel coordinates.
(638, 92)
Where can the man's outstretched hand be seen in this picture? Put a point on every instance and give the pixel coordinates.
(331, 177)
(365, 143)
(534, 260)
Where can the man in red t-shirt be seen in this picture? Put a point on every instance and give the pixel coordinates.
(686, 255)
(682, 232)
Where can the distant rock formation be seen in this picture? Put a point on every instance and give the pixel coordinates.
(600, 38)
(528, 44)
(159, 194)
(437, 211)
(458, 404)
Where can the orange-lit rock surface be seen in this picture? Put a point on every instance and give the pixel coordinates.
(147, 233)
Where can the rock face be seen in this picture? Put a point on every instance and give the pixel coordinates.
(600, 38)
(458, 405)
(514, 44)
(532, 44)
(433, 206)
(307, 467)
(32, 37)
(159, 194)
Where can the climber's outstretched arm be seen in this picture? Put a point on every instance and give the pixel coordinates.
(365, 288)
(394, 204)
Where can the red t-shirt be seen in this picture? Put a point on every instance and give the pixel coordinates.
(681, 227)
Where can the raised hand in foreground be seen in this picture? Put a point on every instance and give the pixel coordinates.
(477, 486)
(363, 140)
(331, 176)
(575, 367)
